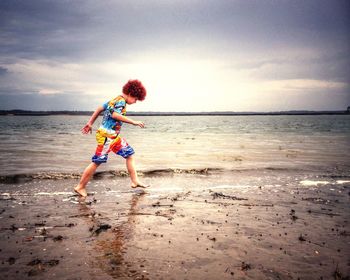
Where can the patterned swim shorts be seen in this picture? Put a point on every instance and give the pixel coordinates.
(105, 145)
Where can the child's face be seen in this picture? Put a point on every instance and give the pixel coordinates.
(131, 100)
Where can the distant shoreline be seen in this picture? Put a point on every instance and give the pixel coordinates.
(84, 113)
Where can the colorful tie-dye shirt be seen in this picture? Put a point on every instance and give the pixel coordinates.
(109, 126)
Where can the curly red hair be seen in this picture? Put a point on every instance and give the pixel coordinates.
(135, 88)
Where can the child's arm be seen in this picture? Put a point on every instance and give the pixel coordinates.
(122, 118)
(87, 128)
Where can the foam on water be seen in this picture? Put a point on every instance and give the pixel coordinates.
(5, 194)
(241, 187)
(308, 183)
(343, 182)
(166, 189)
(53, 193)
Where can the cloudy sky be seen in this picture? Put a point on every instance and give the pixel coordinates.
(191, 55)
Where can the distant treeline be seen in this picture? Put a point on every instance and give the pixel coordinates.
(83, 113)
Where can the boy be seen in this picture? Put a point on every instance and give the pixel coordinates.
(107, 136)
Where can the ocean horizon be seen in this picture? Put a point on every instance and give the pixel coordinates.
(21, 112)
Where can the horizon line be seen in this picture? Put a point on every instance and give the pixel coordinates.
(176, 113)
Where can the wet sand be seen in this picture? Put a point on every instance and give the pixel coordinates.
(216, 225)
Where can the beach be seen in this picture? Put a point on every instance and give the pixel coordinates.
(254, 197)
(190, 224)
(232, 118)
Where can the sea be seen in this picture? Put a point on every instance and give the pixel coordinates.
(54, 144)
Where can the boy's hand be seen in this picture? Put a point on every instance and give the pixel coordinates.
(86, 129)
(140, 124)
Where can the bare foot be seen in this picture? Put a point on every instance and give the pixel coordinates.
(80, 192)
(139, 185)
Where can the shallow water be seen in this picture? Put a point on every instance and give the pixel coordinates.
(34, 144)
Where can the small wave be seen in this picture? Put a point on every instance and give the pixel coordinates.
(21, 178)
(167, 171)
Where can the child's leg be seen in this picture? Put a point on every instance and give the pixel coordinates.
(88, 172)
(130, 165)
(100, 156)
(122, 148)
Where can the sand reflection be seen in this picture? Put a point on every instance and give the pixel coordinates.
(111, 246)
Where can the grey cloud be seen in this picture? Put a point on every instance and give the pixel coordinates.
(332, 67)
(258, 64)
(82, 29)
(79, 31)
(30, 28)
(3, 71)
(322, 100)
(39, 102)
